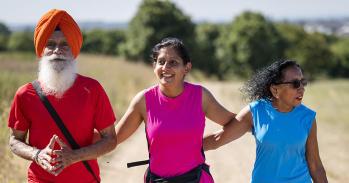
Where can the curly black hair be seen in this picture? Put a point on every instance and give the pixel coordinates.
(258, 86)
(174, 43)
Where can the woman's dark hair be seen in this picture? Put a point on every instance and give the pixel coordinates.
(174, 43)
(258, 86)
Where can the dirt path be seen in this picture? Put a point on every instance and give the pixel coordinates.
(233, 162)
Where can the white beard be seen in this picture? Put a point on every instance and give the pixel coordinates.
(55, 76)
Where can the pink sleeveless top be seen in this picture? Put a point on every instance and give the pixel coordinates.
(174, 129)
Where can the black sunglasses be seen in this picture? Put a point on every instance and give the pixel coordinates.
(295, 83)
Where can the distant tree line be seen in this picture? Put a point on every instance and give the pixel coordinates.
(238, 48)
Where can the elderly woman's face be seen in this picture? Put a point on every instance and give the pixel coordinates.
(289, 93)
(58, 45)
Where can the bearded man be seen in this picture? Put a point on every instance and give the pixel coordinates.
(80, 102)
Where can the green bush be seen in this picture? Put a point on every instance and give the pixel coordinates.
(103, 41)
(4, 35)
(341, 58)
(21, 41)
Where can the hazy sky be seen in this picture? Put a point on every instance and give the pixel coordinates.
(29, 11)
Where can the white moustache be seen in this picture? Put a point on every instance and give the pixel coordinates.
(55, 57)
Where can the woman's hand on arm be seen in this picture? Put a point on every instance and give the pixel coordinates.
(316, 168)
(234, 129)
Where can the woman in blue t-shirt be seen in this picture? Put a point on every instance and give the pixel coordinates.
(284, 128)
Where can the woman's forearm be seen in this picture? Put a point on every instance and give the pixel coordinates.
(319, 175)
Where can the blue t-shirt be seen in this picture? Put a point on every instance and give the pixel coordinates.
(281, 143)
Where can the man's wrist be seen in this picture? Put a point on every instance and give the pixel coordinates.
(76, 156)
(36, 155)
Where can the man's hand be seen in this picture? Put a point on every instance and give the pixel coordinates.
(44, 157)
(65, 156)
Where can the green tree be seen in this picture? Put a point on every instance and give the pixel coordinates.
(249, 43)
(4, 36)
(155, 20)
(115, 39)
(21, 41)
(93, 41)
(103, 41)
(206, 37)
(341, 54)
(310, 50)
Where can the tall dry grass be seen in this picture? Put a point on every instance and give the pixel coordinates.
(122, 80)
(15, 69)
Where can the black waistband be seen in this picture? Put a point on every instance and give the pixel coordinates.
(192, 176)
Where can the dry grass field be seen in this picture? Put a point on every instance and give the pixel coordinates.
(122, 80)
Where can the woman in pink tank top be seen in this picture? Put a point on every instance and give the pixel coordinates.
(174, 114)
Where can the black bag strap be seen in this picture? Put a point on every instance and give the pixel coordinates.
(137, 163)
(60, 124)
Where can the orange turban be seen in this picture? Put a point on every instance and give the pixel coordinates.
(48, 23)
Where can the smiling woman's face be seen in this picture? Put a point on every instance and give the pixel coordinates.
(169, 67)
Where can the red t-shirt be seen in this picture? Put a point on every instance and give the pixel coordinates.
(83, 108)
